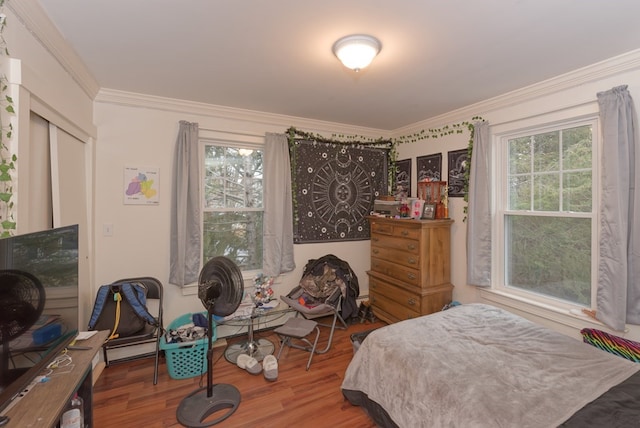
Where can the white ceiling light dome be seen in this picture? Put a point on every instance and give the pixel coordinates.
(357, 51)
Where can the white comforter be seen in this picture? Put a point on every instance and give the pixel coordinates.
(479, 366)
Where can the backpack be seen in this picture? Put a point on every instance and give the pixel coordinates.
(121, 308)
(328, 279)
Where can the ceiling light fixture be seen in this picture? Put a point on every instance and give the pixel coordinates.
(356, 51)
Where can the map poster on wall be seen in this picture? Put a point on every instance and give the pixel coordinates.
(141, 185)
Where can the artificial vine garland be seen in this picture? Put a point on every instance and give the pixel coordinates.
(7, 159)
(391, 145)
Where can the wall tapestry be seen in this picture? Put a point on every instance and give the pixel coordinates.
(335, 186)
(458, 164)
(403, 179)
(429, 167)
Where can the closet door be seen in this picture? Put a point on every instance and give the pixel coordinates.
(38, 209)
(70, 201)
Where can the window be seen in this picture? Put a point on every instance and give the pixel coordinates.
(233, 209)
(546, 213)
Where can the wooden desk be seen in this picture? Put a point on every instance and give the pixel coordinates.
(44, 404)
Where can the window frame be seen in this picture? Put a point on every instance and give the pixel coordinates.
(224, 142)
(544, 123)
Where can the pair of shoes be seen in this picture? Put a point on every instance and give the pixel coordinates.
(270, 365)
(248, 363)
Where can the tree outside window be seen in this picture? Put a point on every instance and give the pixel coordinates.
(233, 205)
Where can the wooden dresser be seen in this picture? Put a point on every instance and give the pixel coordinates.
(410, 267)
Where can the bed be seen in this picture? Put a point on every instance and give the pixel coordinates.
(477, 365)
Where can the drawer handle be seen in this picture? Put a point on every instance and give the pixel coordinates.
(411, 246)
(412, 261)
(373, 285)
(373, 299)
(404, 233)
(411, 302)
(375, 239)
(411, 276)
(375, 251)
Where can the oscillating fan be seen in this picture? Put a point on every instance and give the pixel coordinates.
(22, 300)
(220, 288)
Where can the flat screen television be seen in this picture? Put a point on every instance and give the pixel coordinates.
(38, 286)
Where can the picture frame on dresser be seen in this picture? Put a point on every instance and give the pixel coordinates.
(429, 211)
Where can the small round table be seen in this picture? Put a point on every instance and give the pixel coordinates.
(257, 348)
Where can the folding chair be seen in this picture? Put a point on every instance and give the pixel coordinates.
(150, 333)
(299, 329)
(323, 309)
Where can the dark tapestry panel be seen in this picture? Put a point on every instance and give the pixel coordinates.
(334, 189)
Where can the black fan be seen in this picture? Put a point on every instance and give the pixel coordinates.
(22, 300)
(220, 288)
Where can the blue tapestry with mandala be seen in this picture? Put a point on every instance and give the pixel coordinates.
(335, 186)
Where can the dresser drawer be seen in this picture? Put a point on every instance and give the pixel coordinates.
(394, 256)
(391, 293)
(389, 310)
(402, 273)
(403, 244)
(399, 230)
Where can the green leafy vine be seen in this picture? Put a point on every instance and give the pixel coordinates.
(7, 159)
(391, 145)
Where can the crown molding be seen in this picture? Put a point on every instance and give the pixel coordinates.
(185, 107)
(626, 62)
(35, 19)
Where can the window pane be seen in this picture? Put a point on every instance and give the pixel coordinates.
(550, 256)
(520, 193)
(237, 235)
(233, 178)
(546, 193)
(576, 192)
(576, 148)
(520, 155)
(546, 152)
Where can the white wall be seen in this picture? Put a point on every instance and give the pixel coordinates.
(138, 130)
(576, 91)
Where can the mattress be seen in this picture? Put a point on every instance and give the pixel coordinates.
(477, 366)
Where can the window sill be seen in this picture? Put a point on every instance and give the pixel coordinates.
(572, 318)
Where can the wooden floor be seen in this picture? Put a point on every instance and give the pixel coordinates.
(124, 394)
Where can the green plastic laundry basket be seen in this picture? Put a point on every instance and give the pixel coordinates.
(186, 359)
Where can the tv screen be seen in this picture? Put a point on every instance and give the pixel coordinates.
(38, 304)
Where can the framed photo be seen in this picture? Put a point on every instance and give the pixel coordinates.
(417, 208)
(429, 211)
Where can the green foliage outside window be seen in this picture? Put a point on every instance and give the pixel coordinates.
(233, 205)
(550, 253)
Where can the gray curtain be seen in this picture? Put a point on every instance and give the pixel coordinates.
(186, 232)
(618, 299)
(479, 209)
(278, 208)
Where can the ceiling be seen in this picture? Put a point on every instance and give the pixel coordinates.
(275, 56)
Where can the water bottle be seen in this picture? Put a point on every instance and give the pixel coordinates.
(73, 417)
